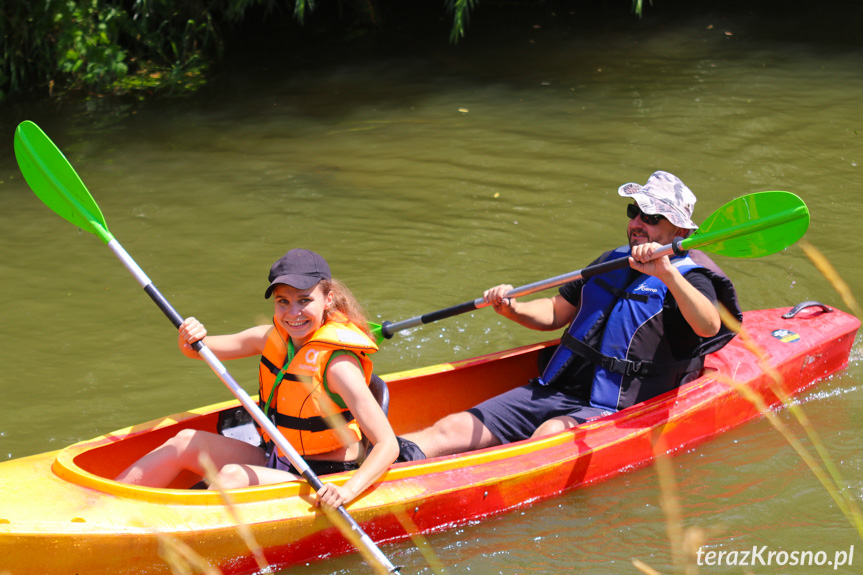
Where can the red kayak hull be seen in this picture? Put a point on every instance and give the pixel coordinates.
(77, 520)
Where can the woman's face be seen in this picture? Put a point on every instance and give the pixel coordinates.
(301, 311)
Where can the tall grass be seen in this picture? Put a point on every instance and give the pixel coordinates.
(685, 542)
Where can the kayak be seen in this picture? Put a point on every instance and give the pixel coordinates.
(61, 512)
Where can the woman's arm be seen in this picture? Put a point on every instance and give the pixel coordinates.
(345, 378)
(234, 346)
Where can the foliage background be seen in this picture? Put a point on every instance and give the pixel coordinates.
(142, 47)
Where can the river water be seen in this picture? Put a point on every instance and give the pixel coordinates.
(426, 174)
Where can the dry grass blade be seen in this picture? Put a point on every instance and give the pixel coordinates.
(836, 491)
(210, 474)
(829, 474)
(668, 499)
(335, 420)
(420, 542)
(249, 538)
(182, 559)
(645, 568)
(685, 543)
(829, 272)
(354, 539)
(338, 424)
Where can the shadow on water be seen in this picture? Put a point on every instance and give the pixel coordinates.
(411, 44)
(502, 45)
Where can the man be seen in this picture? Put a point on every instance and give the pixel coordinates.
(632, 334)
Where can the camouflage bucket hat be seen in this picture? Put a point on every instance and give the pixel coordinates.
(666, 195)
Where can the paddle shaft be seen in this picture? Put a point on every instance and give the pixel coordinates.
(678, 247)
(250, 405)
(388, 329)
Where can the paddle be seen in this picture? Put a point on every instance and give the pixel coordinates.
(52, 178)
(750, 226)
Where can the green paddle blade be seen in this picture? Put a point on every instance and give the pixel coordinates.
(377, 332)
(52, 178)
(752, 226)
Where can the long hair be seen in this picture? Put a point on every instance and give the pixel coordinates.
(345, 302)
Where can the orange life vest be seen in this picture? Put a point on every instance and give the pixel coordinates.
(311, 418)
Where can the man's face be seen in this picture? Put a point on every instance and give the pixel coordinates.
(640, 232)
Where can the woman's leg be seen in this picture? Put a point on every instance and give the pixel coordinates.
(236, 475)
(159, 467)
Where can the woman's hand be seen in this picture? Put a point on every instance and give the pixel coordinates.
(332, 496)
(190, 331)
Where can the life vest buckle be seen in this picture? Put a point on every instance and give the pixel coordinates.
(623, 366)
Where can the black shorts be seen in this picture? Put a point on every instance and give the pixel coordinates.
(318, 466)
(516, 414)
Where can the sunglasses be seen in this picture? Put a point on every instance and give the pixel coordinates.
(633, 211)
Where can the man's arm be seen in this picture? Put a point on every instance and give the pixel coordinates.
(699, 312)
(545, 314)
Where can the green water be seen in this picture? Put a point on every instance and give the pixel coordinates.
(424, 177)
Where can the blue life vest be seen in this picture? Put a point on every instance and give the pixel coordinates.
(619, 330)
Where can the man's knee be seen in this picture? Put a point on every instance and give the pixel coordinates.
(453, 428)
(554, 425)
(454, 424)
(459, 432)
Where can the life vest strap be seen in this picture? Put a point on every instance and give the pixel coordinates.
(620, 293)
(313, 424)
(628, 367)
(285, 376)
(271, 367)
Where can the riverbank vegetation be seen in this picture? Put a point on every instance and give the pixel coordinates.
(61, 48)
(142, 47)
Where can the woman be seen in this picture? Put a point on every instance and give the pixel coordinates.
(314, 378)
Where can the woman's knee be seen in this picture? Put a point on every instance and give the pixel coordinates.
(234, 476)
(185, 442)
(188, 445)
(183, 439)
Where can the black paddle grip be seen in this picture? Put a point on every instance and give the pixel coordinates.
(677, 246)
(164, 305)
(449, 311)
(169, 311)
(604, 267)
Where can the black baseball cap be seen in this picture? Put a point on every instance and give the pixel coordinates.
(298, 268)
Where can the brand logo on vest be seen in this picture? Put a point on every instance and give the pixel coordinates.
(311, 360)
(643, 287)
